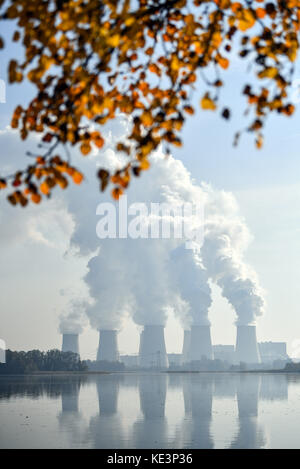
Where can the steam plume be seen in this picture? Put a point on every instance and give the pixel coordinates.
(127, 276)
(191, 281)
(73, 319)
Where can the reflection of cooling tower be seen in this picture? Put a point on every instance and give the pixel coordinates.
(70, 397)
(246, 345)
(186, 346)
(153, 394)
(70, 343)
(153, 348)
(251, 433)
(108, 346)
(152, 430)
(106, 429)
(200, 345)
(108, 392)
(198, 396)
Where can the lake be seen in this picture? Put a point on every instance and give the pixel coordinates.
(155, 410)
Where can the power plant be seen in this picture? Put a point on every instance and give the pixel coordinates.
(134, 277)
(70, 343)
(197, 349)
(108, 346)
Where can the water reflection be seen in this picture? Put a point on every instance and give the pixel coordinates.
(251, 433)
(156, 410)
(105, 429)
(198, 397)
(274, 387)
(70, 419)
(150, 430)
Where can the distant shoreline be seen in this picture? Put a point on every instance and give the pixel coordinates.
(59, 373)
(93, 373)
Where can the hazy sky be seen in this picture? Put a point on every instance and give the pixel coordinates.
(38, 278)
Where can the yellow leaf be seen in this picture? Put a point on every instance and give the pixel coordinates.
(145, 165)
(114, 40)
(247, 20)
(85, 148)
(207, 103)
(147, 118)
(269, 72)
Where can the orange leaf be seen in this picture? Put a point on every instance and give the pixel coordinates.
(44, 188)
(117, 193)
(85, 148)
(36, 198)
(260, 12)
(77, 177)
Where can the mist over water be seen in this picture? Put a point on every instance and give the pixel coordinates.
(155, 410)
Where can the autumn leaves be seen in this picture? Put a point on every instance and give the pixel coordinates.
(90, 61)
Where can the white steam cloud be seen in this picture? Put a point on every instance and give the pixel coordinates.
(145, 277)
(192, 282)
(73, 319)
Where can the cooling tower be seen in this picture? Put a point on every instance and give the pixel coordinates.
(186, 346)
(70, 343)
(200, 344)
(108, 346)
(153, 348)
(246, 345)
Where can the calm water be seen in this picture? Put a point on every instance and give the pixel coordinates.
(151, 411)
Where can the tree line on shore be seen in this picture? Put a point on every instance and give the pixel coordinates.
(37, 361)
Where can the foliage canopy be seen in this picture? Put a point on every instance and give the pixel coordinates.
(90, 60)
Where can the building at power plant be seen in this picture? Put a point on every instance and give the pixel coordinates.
(175, 359)
(225, 353)
(130, 361)
(186, 347)
(272, 351)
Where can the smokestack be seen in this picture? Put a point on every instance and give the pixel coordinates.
(153, 352)
(246, 345)
(108, 346)
(70, 343)
(186, 347)
(200, 344)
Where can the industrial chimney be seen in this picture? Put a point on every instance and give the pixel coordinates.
(70, 343)
(153, 348)
(108, 346)
(246, 345)
(200, 344)
(186, 347)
